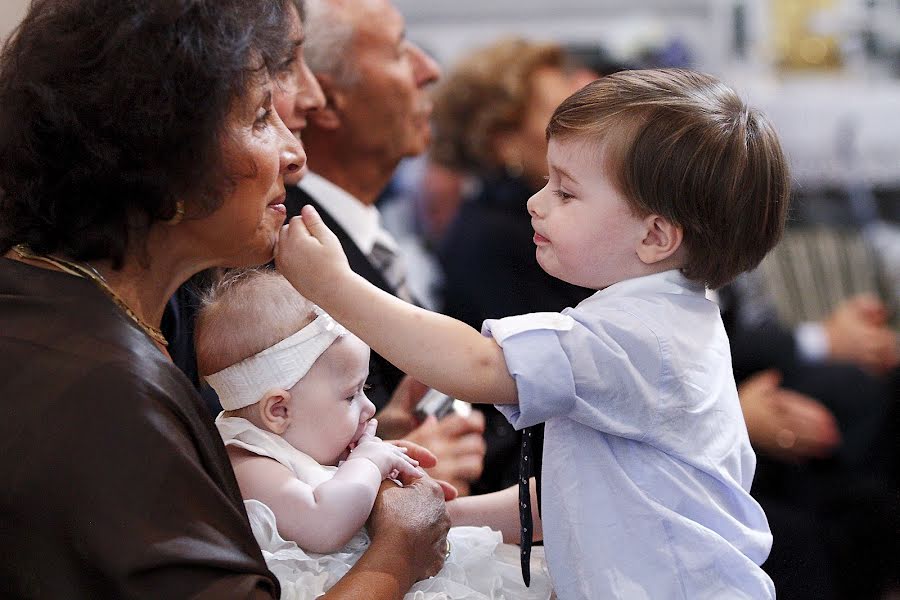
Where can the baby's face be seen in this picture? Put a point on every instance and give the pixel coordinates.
(329, 408)
(584, 230)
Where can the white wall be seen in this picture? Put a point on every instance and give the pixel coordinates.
(11, 12)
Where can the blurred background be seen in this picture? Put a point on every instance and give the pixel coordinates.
(828, 71)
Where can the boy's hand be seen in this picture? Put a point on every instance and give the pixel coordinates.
(392, 460)
(310, 256)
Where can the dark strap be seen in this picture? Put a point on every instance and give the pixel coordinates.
(525, 467)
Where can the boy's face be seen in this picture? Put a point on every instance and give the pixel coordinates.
(584, 230)
(329, 408)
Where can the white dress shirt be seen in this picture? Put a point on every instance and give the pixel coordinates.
(362, 222)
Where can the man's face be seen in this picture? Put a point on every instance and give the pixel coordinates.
(387, 108)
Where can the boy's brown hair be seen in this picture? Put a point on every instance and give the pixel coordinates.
(683, 145)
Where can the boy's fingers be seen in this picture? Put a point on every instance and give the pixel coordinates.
(314, 224)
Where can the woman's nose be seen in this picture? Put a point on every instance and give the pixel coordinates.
(293, 157)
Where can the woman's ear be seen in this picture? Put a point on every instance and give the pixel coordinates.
(329, 116)
(661, 239)
(275, 411)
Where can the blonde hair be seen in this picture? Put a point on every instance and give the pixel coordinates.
(486, 94)
(244, 313)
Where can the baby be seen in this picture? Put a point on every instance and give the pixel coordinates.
(299, 431)
(661, 183)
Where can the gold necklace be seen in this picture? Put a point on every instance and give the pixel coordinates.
(86, 271)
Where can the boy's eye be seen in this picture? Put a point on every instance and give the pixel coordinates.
(563, 195)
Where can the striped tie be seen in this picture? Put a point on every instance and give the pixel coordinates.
(392, 268)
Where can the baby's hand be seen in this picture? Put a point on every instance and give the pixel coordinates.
(310, 256)
(391, 460)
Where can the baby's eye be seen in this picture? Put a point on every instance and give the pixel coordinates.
(358, 392)
(563, 195)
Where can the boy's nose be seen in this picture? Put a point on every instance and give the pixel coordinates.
(534, 205)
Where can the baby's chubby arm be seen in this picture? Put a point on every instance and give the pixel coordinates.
(322, 518)
(441, 352)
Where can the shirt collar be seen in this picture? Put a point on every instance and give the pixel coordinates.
(361, 222)
(666, 282)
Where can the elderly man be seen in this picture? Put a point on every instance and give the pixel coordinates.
(376, 113)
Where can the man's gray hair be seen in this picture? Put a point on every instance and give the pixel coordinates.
(329, 35)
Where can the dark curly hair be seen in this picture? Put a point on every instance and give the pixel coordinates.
(111, 110)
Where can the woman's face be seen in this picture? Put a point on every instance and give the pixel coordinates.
(298, 92)
(259, 152)
(549, 87)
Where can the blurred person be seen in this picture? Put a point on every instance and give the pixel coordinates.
(139, 146)
(377, 109)
(819, 421)
(418, 208)
(489, 118)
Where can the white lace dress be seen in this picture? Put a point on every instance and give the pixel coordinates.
(480, 566)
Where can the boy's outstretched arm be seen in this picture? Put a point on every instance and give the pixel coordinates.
(441, 352)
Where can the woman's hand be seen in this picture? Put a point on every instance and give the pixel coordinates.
(408, 528)
(415, 521)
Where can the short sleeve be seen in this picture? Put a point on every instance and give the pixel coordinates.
(602, 372)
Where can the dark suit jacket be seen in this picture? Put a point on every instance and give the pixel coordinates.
(384, 377)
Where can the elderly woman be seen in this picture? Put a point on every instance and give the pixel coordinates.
(138, 146)
(489, 118)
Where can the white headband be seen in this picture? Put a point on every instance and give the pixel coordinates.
(280, 366)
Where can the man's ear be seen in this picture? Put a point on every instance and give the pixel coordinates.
(275, 410)
(662, 239)
(329, 116)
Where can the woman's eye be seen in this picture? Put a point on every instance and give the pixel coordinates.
(262, 117)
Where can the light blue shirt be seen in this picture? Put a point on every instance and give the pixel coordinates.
(647, 464)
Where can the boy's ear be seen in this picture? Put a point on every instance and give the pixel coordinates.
(275, 410)
(329, 116)
(662, 239)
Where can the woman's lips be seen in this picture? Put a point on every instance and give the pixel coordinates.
(278, 204)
